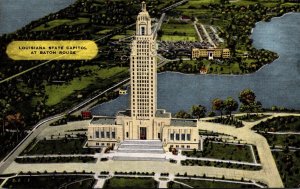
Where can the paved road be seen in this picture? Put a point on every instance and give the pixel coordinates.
(196, 28)
(207, 36)
(269, 173)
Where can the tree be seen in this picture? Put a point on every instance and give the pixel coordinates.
(182, 114)
(247, 98)
(198, 111)
(218, 104)
(230, 105)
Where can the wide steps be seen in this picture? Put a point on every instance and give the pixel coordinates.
(126, 158)
(155, 151)
(140, 150)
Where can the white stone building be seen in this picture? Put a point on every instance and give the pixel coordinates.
(143, 121)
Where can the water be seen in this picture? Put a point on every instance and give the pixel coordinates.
(274, 84)
(15, 14)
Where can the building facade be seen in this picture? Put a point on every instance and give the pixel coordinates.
(143, 121)
(210, 53)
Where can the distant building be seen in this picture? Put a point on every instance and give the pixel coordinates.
(210, 53)
(143, 121)
(122, 92)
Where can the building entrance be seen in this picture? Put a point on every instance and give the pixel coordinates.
(143, 133)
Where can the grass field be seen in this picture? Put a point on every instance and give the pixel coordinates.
(58, 22)
(67, 89)
(283, 140)
(177, 38)
(118, 182)
(207, 184)
(50, 182)
(105, 31)
(178, 32)
(222, 68)
(70, 146)
(223, 151)
(288, 164)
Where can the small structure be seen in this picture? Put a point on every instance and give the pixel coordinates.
(210, 53)
(203, 70)
(122, 92)
(86, 115)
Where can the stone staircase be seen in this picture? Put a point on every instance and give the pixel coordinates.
(140, 150)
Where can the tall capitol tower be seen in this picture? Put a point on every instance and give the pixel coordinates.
(143, 69)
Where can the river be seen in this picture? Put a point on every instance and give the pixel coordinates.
(15, 14)
(275, 84)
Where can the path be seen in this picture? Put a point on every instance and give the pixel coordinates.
(196, 28)
(207, 36)
(269, 173)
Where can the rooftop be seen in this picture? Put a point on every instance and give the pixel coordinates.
(104, 120)
(184, 122)
(162, 114)
(124, 113)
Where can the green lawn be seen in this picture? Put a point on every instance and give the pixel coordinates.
(63, 146)
(54, 23)
(105, 31)
(57, 160)
(67, 89)
(50, 182)
(118, 182)
(177, 38)
(220, 68)
(182, 29)
(283, 140)
(117, 37)
(223, 151)
(207, 184)
(178, 32)
(285, 124)
(288, 164)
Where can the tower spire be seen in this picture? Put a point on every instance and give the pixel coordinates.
(144, 6)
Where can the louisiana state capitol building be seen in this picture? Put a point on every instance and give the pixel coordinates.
(143, 121)
(143, 69)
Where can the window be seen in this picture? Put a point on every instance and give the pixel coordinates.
(113, 135)
(97, 143)
(108, 134)
(182, 136)
(177, 136)
(158, 135)
(97, 134)
(143, 30)
(188, 136)
(172, 136)
(126, 134)
(102, 134)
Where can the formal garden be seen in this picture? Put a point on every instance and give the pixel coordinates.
(50, 182)
(206, 184)
(61, 146)
(280, 124)
(123, 182)
(223, 151)
(288, 164)
(58, 159)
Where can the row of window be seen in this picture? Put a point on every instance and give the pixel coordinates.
(107, 134)
(182, 146)
(182, 136)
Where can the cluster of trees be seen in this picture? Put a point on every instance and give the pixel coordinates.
(246, 97)
(289, 123)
